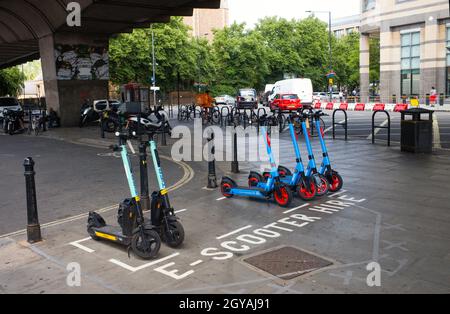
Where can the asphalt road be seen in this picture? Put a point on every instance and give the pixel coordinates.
(360, 126)
(71, 179)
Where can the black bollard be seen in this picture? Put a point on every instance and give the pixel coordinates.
(235, 163)
(33, 226)
(212, 177)
(102, 127)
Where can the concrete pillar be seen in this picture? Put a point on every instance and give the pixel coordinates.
(46, 47)
(430, 55)
(71, 64)
(364, 66)
(390, 70)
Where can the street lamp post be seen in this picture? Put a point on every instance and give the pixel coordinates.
(330, 38)
(154, 68)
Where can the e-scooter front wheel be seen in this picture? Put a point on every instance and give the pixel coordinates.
(283, 196)
(254, 179)
(322, 186)
(146, 244)
(336, 182)
(226, 186)
(307, 190)
(173, 235)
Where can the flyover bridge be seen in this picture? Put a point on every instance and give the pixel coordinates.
(75, 60)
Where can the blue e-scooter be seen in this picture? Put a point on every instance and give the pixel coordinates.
(134, 231)
(334, 178)
(299, 182)
(264, 190)
(320, 181)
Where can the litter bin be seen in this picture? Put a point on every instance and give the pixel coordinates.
(417, 134)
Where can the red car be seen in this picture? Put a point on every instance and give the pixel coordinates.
(286, 102)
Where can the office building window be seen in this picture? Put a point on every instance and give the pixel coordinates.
(410, 63)
(368, 4)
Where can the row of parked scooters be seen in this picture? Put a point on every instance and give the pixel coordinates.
(280, 184)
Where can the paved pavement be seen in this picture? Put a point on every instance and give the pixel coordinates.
(71, 179)
(393, 210)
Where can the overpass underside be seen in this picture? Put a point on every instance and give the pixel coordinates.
(75, 60)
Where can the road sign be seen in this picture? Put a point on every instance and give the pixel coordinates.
(331, 74)
(155, 89)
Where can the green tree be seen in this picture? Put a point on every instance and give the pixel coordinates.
(11, 81)
(298, 48)
(346, 60)
(241, 59)
(374, 52)
(131, 55)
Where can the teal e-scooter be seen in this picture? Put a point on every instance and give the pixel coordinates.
(134, 232)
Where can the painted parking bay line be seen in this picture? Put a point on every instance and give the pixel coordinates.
(135, 269)
(78, 244)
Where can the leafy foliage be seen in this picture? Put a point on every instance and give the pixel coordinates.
(237, 57)
(11, 81)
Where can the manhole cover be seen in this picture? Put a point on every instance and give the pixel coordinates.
(287, 263)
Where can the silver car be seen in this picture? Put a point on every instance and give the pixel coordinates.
(225, 100)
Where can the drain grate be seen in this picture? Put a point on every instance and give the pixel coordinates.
(287, 263)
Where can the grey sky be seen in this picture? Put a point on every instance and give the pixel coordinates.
(250, 11)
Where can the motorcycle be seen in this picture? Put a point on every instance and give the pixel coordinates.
(149, 120)
(88, 115)
(12, 121)
(110, 121)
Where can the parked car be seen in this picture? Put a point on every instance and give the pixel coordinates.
(247, 99)
(302, 87)
(285, 102)
(225, 100)
(9, 103)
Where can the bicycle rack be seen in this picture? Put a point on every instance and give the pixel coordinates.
(343, 124)
(388, 127)
(195, 111)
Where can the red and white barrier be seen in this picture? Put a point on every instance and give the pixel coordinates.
(360, 106)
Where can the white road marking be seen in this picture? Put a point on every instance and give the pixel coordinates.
(180, 211)
(221, 199)
(296, 208)
(338, 193)
(436, 133)
(233, 232)
(331, 127)
(196, 263)
(377, 130)
(135, 269)
(82, 247)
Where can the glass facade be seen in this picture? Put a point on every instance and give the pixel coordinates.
(410, 63)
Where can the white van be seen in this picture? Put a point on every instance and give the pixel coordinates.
(300, 86)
